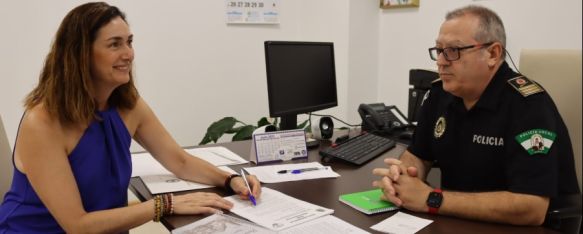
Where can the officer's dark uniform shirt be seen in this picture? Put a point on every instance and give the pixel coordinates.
(507, 141)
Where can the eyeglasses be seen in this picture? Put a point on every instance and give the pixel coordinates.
(452, 53)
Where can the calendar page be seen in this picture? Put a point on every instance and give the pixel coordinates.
(252, 11)
(278, 146)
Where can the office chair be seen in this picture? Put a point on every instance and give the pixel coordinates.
(5, 162)
(420, 80)
(559, 72)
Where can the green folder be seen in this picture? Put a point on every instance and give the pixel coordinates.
(368, 202)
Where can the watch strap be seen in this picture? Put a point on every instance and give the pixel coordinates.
(228, 182)
(434, 210)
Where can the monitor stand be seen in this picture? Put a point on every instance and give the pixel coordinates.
(288, 122)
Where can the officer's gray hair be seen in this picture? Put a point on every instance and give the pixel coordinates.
(490, 29)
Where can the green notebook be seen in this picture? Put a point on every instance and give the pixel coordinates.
(368, 202)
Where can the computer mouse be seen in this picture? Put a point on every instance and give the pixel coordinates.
(406, 135)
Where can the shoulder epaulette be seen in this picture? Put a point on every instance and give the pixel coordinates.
(525, 86)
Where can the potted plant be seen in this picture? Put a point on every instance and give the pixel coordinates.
(242, 131)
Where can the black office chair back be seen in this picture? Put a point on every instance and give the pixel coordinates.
(564, 214)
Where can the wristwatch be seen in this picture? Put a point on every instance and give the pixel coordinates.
(434, 201)
(228, 182)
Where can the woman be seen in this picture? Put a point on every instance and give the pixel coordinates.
(71, 154)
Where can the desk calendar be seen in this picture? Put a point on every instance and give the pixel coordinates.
(278, 146)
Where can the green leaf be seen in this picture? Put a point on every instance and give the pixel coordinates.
(218, 128)
(234, 130)
(262, 122)
(303, 124)
(244, 133)
(205, 140)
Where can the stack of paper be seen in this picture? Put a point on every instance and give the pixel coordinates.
(275, 213)
(221, 223)
(159, 180)
(167, 183)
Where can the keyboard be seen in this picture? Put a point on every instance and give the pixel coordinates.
(359, 149)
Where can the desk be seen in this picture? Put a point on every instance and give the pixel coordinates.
(325, 192)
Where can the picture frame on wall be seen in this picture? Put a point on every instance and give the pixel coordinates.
(387, 4)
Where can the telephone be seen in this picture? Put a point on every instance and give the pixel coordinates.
(382, 119)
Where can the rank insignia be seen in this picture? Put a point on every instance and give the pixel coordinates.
(525, 86)
(439, 127)
(536, 141)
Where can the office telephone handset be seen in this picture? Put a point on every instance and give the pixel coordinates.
(383, 119)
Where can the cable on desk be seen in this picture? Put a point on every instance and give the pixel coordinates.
(331, 116)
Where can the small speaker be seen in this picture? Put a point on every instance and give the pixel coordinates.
(323, 128)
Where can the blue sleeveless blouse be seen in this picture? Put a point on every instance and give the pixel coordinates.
(101, 164)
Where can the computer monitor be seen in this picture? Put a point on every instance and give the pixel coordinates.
(301, 78)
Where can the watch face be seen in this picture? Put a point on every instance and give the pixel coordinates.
(434, 200)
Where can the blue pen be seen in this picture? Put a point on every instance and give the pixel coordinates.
(298, 171)
(251, 197)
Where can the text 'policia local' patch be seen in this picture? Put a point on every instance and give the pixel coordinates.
(536, 141)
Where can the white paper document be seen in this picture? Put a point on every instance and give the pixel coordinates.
(277, 211)
(401, 223)
(145, 164)
(324, 225)
(168, 183)
(218, 155)
(286, 172)
(221, 223)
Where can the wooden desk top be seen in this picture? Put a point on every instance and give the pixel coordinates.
(325, 192)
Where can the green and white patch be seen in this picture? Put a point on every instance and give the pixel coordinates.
(536, 141)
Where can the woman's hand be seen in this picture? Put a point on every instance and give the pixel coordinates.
(238, 185)
(200, 203)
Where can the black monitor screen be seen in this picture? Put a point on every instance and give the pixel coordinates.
(301, 78)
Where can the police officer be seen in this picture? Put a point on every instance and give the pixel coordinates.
(503, 149)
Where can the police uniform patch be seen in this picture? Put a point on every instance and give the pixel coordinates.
(439, 127)
(536, 141)
(525, 86)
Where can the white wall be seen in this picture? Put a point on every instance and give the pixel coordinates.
(406, 34)
(194, 69)
(363, 55)
(191, 67)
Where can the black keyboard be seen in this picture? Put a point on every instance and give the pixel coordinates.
(359, 149)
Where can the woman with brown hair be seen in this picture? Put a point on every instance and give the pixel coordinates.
(71, 156)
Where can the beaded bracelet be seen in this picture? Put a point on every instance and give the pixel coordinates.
(171, 204)
(166, 205)
(158, 209)
(163, 205)
(228, 182)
